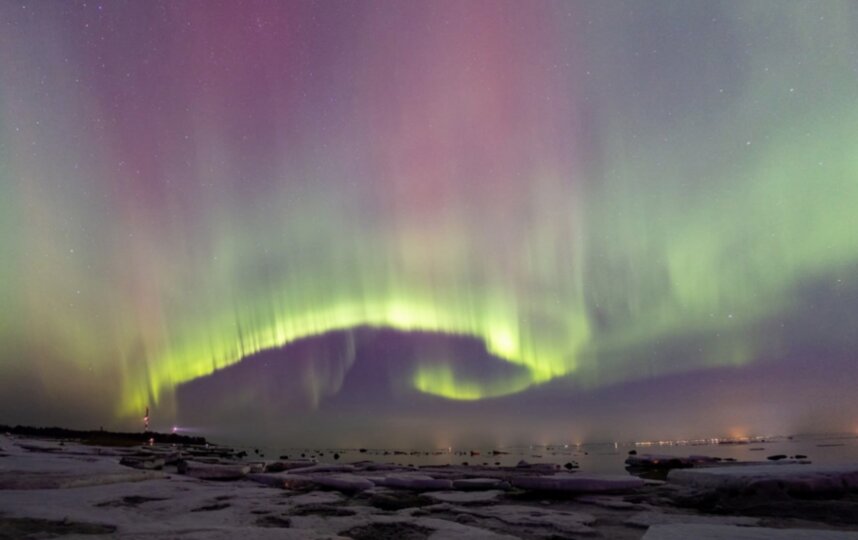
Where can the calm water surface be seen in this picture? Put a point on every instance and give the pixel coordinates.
(596, 458)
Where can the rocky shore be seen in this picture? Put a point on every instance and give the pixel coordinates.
(56, 488)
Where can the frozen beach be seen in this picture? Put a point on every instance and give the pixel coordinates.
(54, 489)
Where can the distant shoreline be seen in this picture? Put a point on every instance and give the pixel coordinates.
(102, 437)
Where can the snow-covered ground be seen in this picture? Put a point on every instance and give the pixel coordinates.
(50, 489)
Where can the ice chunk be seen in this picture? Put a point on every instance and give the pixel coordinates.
(579, 483)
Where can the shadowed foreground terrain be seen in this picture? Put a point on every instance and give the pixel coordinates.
(52, 489)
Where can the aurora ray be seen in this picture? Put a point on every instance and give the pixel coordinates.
(572, 183)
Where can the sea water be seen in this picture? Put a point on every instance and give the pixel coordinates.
(606, 457)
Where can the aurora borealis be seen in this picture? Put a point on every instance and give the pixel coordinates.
(595, 192)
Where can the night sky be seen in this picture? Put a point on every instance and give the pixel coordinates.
(430, 221)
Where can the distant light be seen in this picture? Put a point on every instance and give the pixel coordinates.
(175, 429)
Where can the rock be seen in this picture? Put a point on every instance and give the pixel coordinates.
(570, 465)
(658, 461)
(777, 457)
(647, 519)
(288, 465)
(633, 452)
(543, 467)
(579, 483)
(686, 531)
(275, 467)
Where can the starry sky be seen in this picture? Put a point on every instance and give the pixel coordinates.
(555, 218)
